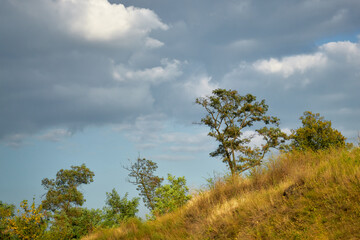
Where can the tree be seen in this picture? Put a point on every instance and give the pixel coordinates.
(228, 115)
(171, 196)
(64, 199)
(119, 208)
(29, 224)
(62, 192)
(141, 174)
(87, 222)
(316, 133)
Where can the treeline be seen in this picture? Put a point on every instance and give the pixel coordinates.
(228, 116)
(61, 215)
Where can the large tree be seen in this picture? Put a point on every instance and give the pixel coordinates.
(64, 199)
(316, 133)
(228, 116)
(62, 192)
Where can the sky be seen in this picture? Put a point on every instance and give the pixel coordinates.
(103, 82)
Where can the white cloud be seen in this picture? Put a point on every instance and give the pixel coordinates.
(346, 50)
(301, 70)
(169, 70)
(291, 65)
(153, 43)
(98, 20)
(199, 86)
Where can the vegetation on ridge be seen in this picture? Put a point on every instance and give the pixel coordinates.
(297, 195)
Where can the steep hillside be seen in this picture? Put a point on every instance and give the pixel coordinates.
(295, 196)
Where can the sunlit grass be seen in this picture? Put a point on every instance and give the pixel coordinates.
(312, 195)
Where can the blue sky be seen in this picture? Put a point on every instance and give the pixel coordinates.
(99, 82)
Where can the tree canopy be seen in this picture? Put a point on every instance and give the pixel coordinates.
(62, 192)
(119, 208)
(64, 199)
(171, 196)
(316, 133)
(141, 174)
(228, 116)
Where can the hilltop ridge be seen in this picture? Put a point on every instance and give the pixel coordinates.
(297, 195)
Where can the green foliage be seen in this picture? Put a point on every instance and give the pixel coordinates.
(141, 174)
(118, 209)
(87, 222)
(171, 196)
(80, 222)
(316, 133)
(62, 192)
(6, 212)
(64, 199)
(228, 115)
(30, 223)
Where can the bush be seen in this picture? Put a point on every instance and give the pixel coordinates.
(315, 134)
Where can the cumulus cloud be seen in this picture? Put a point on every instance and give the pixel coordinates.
(290, 65)
(343, 51)
(97, 20)
(324, 81)
(299, 70)
(199, 86)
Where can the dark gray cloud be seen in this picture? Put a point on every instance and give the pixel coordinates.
(70, 64)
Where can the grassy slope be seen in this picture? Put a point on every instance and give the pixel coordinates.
(295, 196)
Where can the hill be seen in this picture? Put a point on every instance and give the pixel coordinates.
(311, 195)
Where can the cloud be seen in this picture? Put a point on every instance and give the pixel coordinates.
(14, 140)
(96, 21)
(323, 81)
(290, 65)
(302, 69)
(167, 72)
(55, 135)
(155, 132)
(343, 51)
(199, 86)
(69, 64)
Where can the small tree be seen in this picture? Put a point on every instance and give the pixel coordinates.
(118, 208)
(141, 174)
(171, 196)
(228, 115)
(316, 133)
(87, 222)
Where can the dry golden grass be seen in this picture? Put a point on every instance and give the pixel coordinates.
(293, 196)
